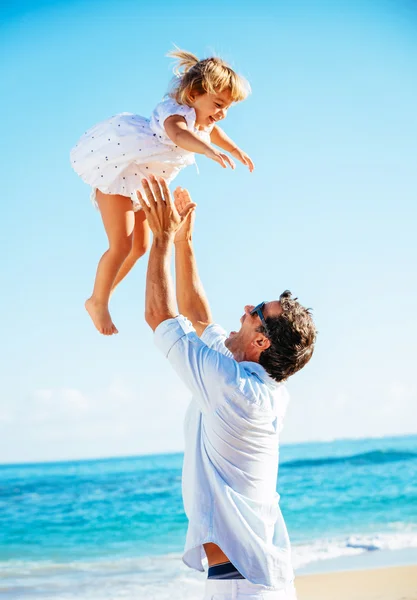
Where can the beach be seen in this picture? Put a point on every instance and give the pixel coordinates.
(114, 529)
(385, 583)
(388, 583)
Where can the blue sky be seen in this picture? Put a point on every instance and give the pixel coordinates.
(329, 213)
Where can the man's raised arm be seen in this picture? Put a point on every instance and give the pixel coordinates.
(164, 221)
(191, 298)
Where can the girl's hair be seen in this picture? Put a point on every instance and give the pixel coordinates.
(211, 75)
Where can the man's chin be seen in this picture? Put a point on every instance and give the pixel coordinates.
(228, 341)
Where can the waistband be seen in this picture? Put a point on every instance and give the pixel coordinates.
(224, 571)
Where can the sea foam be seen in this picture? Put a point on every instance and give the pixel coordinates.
(161, 577)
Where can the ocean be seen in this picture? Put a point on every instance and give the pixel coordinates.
(114, 528)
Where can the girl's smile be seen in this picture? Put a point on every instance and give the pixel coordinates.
(210, 108)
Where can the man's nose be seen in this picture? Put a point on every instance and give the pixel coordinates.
(248, 308)
(222, 113)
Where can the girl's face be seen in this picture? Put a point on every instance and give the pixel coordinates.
(210, 108)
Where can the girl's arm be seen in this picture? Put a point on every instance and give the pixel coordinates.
(177, 131)
(219, 138)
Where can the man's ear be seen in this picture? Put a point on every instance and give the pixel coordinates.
(261, 342)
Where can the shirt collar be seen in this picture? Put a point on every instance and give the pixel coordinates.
(259, 371)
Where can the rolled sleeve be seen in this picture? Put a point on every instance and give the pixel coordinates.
(208, 374)
(168, 333)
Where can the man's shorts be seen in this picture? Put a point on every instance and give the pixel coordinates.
(241, 589)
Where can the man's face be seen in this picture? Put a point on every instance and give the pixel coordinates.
(248, 343)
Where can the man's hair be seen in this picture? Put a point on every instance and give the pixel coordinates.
(292, 336)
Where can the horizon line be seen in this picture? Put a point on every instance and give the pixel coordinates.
(178, 452)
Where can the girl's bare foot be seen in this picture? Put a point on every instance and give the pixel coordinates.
(101, 317)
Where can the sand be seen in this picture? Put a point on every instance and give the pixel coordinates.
(392, 583)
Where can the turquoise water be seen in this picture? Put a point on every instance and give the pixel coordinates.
(119, 523)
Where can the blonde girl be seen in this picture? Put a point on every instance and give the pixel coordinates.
(114, 156)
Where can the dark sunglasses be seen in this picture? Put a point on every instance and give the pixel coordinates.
(258, 311)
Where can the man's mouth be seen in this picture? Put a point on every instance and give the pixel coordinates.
(212, 119)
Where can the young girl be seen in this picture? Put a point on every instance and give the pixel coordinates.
(114, 156)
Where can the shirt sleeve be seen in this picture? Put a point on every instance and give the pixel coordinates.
(168, 108)
(211, 376)
(214, 337)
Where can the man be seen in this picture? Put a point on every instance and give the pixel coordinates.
(233, 423)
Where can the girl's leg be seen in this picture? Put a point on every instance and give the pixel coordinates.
(139, 246)
(118, 220)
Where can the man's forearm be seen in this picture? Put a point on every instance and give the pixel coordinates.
(159, 302)
(191, 298)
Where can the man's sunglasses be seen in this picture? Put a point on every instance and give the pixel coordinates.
(258, 311)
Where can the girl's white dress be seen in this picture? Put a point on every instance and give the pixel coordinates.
(116, 154)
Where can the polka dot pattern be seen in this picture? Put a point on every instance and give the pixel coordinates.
(116, 154)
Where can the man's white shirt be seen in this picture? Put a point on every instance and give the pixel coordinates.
(231, 454)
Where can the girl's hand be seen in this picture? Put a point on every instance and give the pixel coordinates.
(219, 157)
(244, 158)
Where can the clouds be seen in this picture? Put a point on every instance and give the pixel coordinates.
(64, 423)
(51, 406)
(122, 418)
(374, 409)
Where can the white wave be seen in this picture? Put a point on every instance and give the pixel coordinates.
(326, 549)
(163, 577)
(153, 578)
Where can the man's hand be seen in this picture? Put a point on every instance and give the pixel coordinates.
(182, 204)
(163, 218)
(244, 158)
